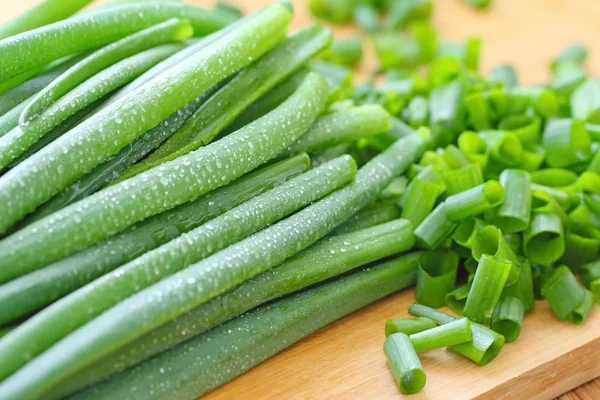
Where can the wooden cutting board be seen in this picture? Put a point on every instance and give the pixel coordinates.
(345, 360)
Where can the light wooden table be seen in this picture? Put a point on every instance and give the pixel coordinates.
(526, 34)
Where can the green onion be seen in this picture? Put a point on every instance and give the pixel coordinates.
(435, 228)
(395, 189)
(526, 127)
(543, 202)
(366, 17)
(39, 288)
(533, 157)
(43, 45)
(503, 146)
(565, 296)
(585, 101)
(184, 290)
(419, 200)
(403, 12)
(344, 126)
(457, 298)
(513, 215)
(334, 11)
(463, 179)
(347, 51)
(573, 54)
(454, 157)
(523, 288)
(508, 317)
(297, 112)
(505, 74)
(225, 105)
(543, 240)
(583, 310)
(558, 178)
(395, 50)
(368, 217)
(16, 142)
(474, 201)
(477, 111)
(543, 100)
(474, 147)
(446, 111)
(45, 13)
(485, 344)
(418, 111)
(540, 274)
(561, 198)
(436, 277)
(467, 230)
(227, 229)
(111, 129)
(582, 244)
(170, 30)
(404, 363)
(566, 142)
(408, 326)
(446, 335)
(490, 278)
(229, 350)
(312, 265)
(590, 276)
(339, 78)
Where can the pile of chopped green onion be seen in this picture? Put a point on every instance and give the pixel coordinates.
(185, 192)
(507, 206)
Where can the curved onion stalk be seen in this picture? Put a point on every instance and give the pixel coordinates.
(112, 128)
(74, 35)
(225, 105)
(20, 139)
(171, 30)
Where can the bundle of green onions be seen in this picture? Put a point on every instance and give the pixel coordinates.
(185, 192)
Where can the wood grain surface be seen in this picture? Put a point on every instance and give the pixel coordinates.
(345, 360)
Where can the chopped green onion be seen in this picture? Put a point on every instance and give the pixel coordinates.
(542, 202)
(436, 276)
(366, 17)
(419, 200)
(408, 326)
(474, 147)
(523, 289)
(478, 111)
(446, 335)
(543, 240)
(446, 111)
(395, 189)
(466, 231)
(334, 11)
(474, 201)
(585, 102)
(526, 127)
(435, 228)
(583, 310)
(347, 52)
(454, 157)
(456, 299)
(543, 100)
(558, 178)
(462, 179)
(533, 157)
(590, 276)
(504, 147)
(582, 244)
(404, 363)
(565, 295)
(505, 74)
(561, 198)
(513, 215)
(490, 278)
(566, 142)
(418, 111)
(395, 50)
(508, 317)
(540, 274)
(403, 12)
(485, 345)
